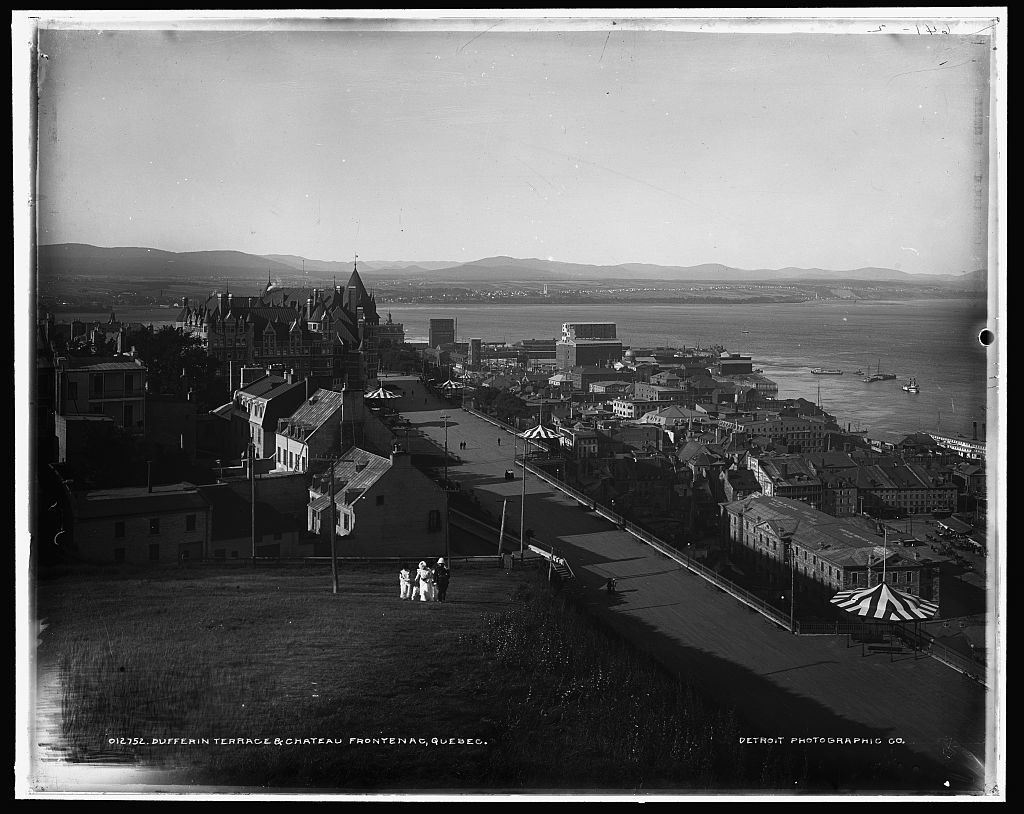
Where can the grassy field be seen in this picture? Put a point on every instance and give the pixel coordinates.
(545, 699)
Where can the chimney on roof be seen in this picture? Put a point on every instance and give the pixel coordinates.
(399, 456)
(975, 424)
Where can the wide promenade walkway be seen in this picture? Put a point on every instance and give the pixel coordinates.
(783, 685)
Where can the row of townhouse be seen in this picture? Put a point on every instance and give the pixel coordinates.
(383, 507)
(834, 553)
(840, 485)
(808, 433)
(180, 521)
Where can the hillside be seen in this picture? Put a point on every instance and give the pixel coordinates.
(141, 263)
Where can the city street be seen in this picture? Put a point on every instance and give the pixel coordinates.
(796, 686)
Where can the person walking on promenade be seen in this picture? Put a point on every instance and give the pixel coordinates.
(441, 578)
(426, 581)
(405, 583)
(499, 440)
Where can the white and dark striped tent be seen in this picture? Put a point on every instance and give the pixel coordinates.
(451, 384)
(885, 604)
(539, 433)
(381, 393)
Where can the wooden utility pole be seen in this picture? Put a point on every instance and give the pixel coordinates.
(331, 460)
(252, 497)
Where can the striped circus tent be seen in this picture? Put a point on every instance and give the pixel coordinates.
(381, 393)
(539, 433)
(451, 384)
(885, 604)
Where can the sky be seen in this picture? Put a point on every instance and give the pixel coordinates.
(619, 144)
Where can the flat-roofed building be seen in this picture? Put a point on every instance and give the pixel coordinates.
(141, 524)
(111, 386)
(587, 344)
(442, 333)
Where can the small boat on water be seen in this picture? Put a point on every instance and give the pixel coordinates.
(826, 371)
(911, 386)
(879, 376)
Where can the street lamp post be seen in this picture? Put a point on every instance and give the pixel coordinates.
(445, 417)
(792, 585)
(522, 503)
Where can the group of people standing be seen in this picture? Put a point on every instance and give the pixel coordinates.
(426, 583)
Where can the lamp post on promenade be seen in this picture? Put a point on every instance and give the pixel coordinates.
(522, 504)
(792, 585)
(445, 417)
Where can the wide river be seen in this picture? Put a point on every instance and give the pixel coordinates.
(935, 341)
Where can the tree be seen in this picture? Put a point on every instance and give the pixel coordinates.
(508, 407)
(168, 353)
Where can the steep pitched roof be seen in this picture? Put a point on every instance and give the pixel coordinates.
(355, 471)
(317, 409)
(261, 386)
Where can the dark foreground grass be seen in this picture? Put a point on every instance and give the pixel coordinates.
(541, 699)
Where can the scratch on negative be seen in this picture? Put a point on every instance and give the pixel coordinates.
(478, 36)
(925, 70)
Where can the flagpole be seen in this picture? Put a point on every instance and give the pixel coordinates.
(885, 550)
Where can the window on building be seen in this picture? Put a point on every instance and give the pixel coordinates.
(277, 535)
(119, 528)
(128, 415)
(129, 383)
(154, 525)
(190, 522)
(154, 551)
(380, 500)
(96, 384)
(118, 555)
(434, 520)
(73, 390)
(345, 521)
(234, 555)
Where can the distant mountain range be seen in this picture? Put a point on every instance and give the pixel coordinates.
(80, 259)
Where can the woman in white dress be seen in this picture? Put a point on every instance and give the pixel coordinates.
(425, 576)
